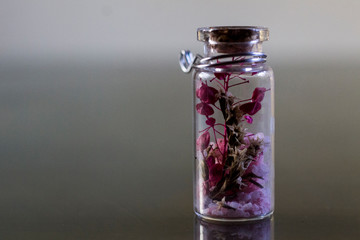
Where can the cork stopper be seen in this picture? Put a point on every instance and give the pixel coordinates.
(232, 34)
(232, 39)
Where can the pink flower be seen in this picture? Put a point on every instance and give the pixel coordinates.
(204, 109)
(258, 94)
(248, 119)
(203, 141)
(221, 76)
(221, 144)
(207, 94)
(210, 122)
(251, 108)
(217, 155)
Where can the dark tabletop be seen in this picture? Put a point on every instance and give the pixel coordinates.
(102, 150)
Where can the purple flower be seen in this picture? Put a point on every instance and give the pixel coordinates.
(248, 119)
(203, 141)
(204, 109)
(207, 94)
(258, 94)
(251, 108)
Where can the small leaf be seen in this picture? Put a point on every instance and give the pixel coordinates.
(210, 121)
(204, 109)
(251, 108)
(207, 94)
(203, 141)
(258, 94)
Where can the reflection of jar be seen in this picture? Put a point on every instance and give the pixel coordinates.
(255, 230)
(234, 124)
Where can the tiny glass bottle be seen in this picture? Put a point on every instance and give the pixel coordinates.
(234, 124)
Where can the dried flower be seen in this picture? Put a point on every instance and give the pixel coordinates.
(226, 163)
(222, 204)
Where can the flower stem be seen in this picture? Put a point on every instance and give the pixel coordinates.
(206, 129)
(215, 135)
(216, 107)
(226, 83)
(237, 77)
(247, 81)
(219, 132)
(241, 101)
(218, 82)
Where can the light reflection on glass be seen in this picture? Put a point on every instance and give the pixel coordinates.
(257, 230)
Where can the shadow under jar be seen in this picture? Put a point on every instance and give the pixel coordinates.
(234, 125)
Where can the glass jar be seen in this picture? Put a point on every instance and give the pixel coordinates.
(234, 124)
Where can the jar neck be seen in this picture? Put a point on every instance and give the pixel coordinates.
(211, 50)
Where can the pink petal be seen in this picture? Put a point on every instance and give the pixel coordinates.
(210, 122)
(248, 119)
(203, 141)
(251, 108)
(258, 94)
(218, 156)
(222, 76)
(207, 94)
(204, 109)
(221, 144)
(215, 174)
(210, 161)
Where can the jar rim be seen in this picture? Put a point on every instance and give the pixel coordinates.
(232, 34)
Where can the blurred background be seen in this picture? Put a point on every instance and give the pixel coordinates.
(96, 121)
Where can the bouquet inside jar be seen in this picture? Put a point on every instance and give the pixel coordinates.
(231, 158)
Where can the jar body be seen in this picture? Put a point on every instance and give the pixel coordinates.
(234, 136)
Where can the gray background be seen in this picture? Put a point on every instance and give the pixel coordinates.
(95, 121)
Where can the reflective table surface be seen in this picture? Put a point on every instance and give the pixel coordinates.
(104, 151)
